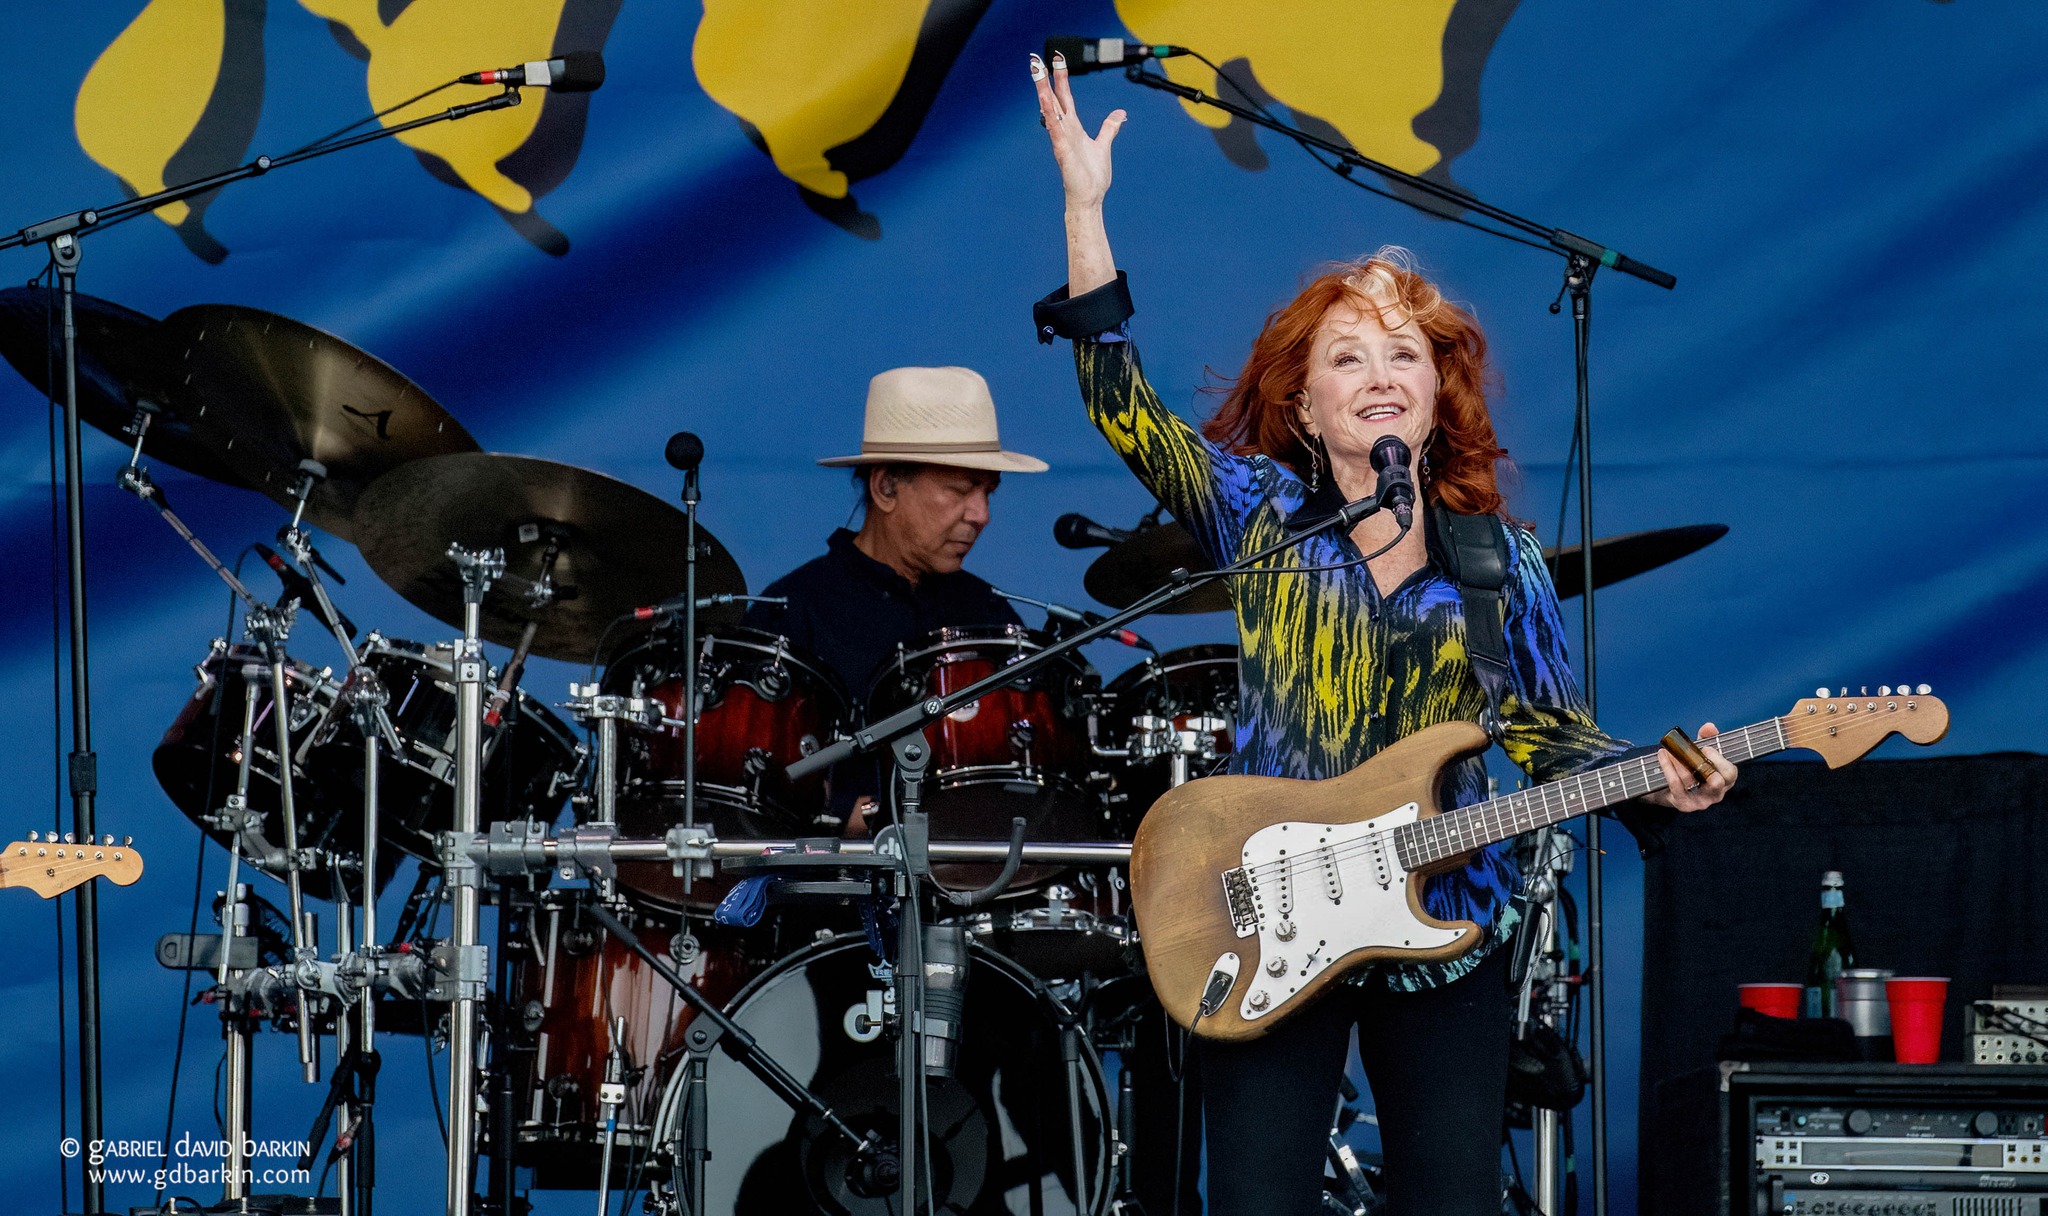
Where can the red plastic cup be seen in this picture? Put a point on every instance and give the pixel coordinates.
(1774, 1000)
(1916, 1003)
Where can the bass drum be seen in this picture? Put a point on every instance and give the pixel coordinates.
(1018, 752)
(1001, 1135)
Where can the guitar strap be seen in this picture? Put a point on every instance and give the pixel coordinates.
(1475, 556)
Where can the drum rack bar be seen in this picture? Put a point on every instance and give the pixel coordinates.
(500, 852)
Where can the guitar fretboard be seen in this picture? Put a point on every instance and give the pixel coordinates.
(1473, 827)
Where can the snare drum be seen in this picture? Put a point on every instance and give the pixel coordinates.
(1066, 932)
(765, 705)
(1019, 751)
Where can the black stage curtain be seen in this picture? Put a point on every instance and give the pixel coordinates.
(1942, 859)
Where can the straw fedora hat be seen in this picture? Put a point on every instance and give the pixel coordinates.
(934, 415)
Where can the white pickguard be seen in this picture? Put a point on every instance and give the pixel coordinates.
(1344, 891)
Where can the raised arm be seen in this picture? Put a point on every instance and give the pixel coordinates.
(1084, 174)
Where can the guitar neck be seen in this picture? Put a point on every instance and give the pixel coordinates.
(1483, 823)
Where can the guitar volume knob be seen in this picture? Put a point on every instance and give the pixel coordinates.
(1259, 999)
(1284, 931)
(1276, 968)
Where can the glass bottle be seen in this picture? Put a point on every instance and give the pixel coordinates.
(1833, 950)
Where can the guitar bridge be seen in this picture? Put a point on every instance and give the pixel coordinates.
(1237, 896)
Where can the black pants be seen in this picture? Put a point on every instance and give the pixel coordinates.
(1437, 1062)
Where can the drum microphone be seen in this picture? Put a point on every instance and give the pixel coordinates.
(1072, 531)
(1079, 616)
(575, 72)
(945, 996)
(676, 603)
(298, 586)
(1085, 55)
(684, 451)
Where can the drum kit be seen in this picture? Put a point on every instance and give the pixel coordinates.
(598, 1061)
(329, 780)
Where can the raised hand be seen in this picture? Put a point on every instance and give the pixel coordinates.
(1084, 162)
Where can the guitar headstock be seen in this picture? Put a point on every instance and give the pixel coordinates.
(50, 866)
(1844, 723)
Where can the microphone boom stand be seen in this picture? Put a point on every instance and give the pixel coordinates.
(1583, 258)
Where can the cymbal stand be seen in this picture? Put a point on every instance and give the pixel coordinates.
(272, 627)
(1545, 995)
(237, 1076)
(468, 963)
(687, 457)
(136, 480)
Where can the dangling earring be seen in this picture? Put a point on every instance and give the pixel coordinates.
(1425, 467)
(1315, 463)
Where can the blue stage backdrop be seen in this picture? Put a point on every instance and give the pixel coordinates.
(771, 200)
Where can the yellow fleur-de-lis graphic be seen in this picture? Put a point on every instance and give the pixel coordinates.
(834, 93)
(177, 94)
(1416, 109)
(173, 98)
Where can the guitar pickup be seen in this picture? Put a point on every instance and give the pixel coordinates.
(1237, 896)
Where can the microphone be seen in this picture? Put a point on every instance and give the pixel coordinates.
(1073, 531)
(676, 603)
(298, 586)
(945, 996)
(1397, 487)
(1085, 55)
(684, 451)
(1078, 616)
(575, 72)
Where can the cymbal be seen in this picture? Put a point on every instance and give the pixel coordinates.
(1133, 569)
(271, 392)
(1618, 557)
(618, 547)
(123, 362)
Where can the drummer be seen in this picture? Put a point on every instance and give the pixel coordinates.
(929, 464)
(930, 460)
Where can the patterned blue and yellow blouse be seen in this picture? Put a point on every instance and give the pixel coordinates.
(1329, 671)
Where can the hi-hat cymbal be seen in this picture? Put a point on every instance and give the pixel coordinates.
(123, 363)
(1618, 557)
(617, 547)
(1135, 568)
(270, 392)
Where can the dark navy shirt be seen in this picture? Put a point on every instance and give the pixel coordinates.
(852, 611)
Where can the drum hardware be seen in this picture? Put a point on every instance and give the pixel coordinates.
(608, 547)
(685, 451)
(611, 1095)
(712, 1028)
(469, 970)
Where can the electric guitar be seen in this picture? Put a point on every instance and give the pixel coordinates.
(49, 866)
(1253, 894)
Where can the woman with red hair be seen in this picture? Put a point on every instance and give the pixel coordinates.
(1361, 641)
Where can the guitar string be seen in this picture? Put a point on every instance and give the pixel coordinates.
(1441, 835)
(1438, 825)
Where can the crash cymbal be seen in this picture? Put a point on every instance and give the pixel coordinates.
(618, 547)
(276, 392)
(1134, 568)
(123, 362)
(1618, 557)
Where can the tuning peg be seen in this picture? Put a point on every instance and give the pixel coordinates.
(126, 841)
(1923, 690)
(33, 837)
(106, 840)
(1884, 690)
(70, 838)
(1821, 692)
